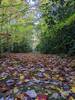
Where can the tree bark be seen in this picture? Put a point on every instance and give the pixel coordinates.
(0, 2)
(62, 2)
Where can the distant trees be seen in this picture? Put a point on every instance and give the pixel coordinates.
(0, 2)
(56, 26)
(14, 26)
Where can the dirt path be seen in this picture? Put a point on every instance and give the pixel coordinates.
(38, 74)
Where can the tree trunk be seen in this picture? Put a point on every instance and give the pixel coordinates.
(0, 2)
(62, 2)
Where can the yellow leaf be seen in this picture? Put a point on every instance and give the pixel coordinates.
(21, 76)
(15, 90)
(73, 89)
(15, 73)
(57, 76)
(2, 78)
(71, 98)
(46, 75)
(61, 78)
(26, 80)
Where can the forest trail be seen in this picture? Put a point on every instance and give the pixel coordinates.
(37, 76)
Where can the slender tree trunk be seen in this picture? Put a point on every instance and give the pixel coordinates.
(0, 2)
(62, 2)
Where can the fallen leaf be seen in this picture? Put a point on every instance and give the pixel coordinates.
(21, 76)
(73, 89)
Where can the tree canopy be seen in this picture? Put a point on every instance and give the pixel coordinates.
(50, 22)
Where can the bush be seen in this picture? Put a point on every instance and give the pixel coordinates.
(60, 39)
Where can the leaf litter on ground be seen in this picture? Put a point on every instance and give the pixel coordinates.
(37, 77)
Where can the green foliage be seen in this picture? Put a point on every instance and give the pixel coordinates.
(60, 38)
(13, 21)
(56, 26)
(23, 46)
